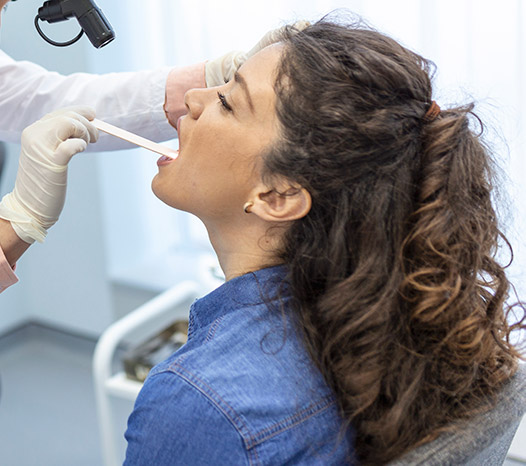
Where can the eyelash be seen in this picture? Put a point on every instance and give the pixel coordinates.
(224, 103)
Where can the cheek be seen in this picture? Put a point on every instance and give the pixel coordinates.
(215, 170)
(180, 186)
(206, 192)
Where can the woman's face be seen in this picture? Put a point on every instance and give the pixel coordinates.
(221, 138)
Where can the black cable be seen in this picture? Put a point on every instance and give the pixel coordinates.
(52, 42)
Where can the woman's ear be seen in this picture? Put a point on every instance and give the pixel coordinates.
(282, 204)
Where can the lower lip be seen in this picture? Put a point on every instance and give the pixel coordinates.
(164, 160)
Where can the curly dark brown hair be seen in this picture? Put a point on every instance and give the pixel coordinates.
(393, 271)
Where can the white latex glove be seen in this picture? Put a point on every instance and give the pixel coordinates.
(40, 188)
(222, 69)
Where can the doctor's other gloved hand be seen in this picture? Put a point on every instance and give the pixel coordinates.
(222, 69)
(40, 187)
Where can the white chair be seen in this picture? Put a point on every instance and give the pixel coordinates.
(139, 325)
(114, 393)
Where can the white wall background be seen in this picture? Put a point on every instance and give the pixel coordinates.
(113, 228)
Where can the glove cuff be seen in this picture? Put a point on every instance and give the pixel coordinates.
(26, 228)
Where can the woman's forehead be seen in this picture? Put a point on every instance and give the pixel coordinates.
(261, 66)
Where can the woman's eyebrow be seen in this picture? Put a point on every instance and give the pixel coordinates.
(241, 81)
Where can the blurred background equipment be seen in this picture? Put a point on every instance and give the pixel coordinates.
(139, 360)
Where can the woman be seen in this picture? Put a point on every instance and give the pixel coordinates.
(363, 309)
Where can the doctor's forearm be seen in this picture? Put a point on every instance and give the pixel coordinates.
(10, 243)
(132, 100)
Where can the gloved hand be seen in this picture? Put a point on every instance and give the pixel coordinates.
(222, 69)
(40, 188)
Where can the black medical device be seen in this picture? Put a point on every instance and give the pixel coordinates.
(88, 14)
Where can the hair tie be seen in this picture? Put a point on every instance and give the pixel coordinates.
(432, 112)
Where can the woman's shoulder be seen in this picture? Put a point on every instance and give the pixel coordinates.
(244, 335)
(172, 419)
(245, 362)
(256, 351)
(185, 413)
(251, 366)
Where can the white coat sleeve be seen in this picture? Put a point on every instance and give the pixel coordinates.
(132, 100)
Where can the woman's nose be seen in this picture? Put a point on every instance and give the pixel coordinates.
(195, 101)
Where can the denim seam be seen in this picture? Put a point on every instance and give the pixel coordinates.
(191, 323)
(250, 440)
(213, 329)
(253, 455)
(291, 421)
(216, 399)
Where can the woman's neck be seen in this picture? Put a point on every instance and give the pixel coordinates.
(245, 248)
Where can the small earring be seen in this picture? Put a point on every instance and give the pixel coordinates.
(247, 206)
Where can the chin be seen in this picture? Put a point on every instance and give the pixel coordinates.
(165, 194)
(158, 189)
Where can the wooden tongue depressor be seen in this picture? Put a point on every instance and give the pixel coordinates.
(134, 139)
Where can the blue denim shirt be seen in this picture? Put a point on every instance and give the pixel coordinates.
(241, 391)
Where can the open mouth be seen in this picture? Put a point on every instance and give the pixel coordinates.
(165, 160)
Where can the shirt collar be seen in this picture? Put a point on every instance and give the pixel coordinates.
(246, 290)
